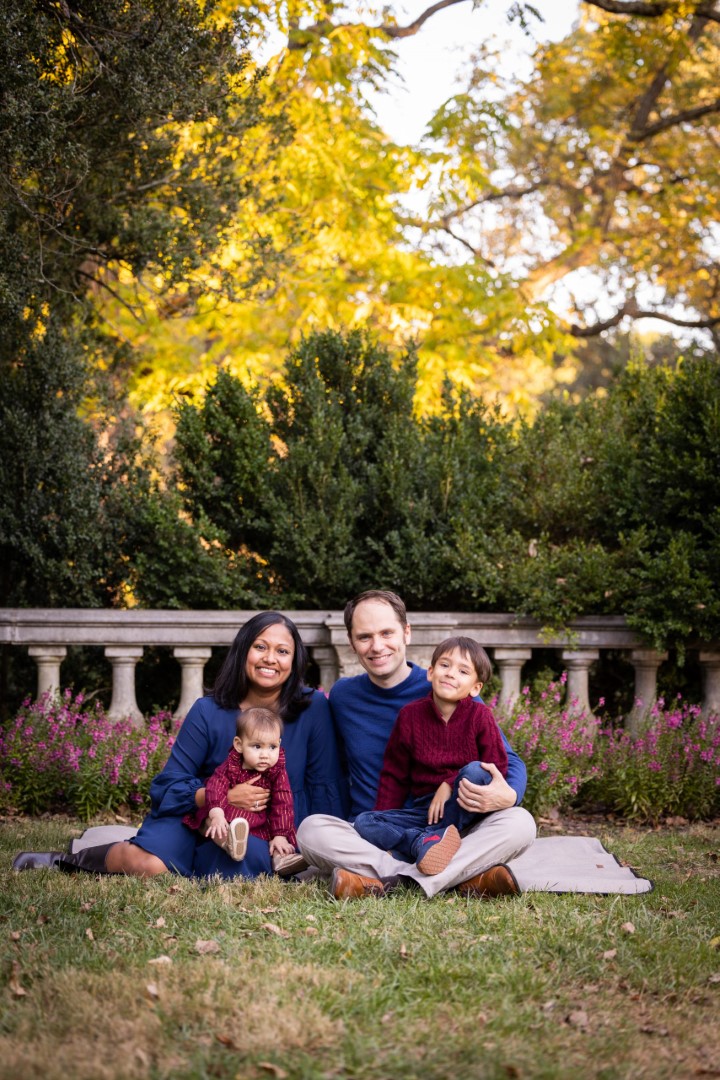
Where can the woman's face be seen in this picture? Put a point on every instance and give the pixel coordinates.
(269, 661)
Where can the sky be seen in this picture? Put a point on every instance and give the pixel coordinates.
(431, 61)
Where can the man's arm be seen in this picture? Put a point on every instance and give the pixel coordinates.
(501, 793)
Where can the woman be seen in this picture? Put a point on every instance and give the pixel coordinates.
(264, 667)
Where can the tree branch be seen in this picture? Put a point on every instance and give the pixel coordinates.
(631, 308)
(299, 36)
(705, 10)
(679, 118)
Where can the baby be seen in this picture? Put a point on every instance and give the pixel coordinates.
(255, 755)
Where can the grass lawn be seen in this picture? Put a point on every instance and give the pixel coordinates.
(106, 977)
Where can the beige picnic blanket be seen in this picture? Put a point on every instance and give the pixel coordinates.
(558, 864)
(578, 864)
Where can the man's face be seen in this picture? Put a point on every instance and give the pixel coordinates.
(380, 642)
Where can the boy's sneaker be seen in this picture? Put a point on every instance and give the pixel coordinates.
(289, 865)
(436, 850)
(235, 842)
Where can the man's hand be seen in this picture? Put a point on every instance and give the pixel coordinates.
(248, 797)
(437, 806)
(483, 799)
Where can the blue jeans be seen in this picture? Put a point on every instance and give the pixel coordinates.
(402, 831)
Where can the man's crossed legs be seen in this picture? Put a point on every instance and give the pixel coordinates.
(331, 845)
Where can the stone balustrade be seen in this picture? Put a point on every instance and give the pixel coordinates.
(510, 640)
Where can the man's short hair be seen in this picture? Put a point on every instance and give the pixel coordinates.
(258, 721)
(471, 649)
(384, 596)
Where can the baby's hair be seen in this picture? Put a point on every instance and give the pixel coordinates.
(471, 649)
(258, 721)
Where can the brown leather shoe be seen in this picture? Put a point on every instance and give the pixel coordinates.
(497, 881)
(348, 886)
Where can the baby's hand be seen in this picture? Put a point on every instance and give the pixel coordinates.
(217, 825)
(280, 845)
(437, 806)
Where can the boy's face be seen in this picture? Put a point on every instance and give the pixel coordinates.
(453, 677)
(259, 751)
(380, 642)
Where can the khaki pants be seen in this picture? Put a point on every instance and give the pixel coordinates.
(328, 842)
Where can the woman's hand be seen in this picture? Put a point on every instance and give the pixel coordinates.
(437, 806)
(217, 826)
(483, 799)
(248, 797)
(280, 845)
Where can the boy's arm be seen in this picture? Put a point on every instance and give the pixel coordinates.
(394, 784)
(489, 741)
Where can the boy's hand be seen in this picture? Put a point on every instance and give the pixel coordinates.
(280, 845)
(437, 806)
(217, 825)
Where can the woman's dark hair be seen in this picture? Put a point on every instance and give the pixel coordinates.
(232, 684)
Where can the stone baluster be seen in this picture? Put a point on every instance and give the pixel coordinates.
(509, 663)
(326, 658)
(192, 662)
(48, 659)
(646, 663)
(710, 664)
(124, 703)
(577, 664)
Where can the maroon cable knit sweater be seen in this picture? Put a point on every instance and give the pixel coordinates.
(423, 751)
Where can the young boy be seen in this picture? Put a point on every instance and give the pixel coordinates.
(435, 742)
(255, 753)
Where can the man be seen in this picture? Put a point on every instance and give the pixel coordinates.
(365, 708)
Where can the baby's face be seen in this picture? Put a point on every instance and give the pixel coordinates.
(259, 751)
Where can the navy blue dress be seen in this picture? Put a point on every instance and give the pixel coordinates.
(202, 744)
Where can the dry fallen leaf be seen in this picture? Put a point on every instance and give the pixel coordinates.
(609, 954)
(270, 1067)
(628, 927)
(152, 991)
(311, 931)
(14, 983)
(161, 960)
(273, 928)
(578, 1018)
(403, 952)
(715, 943)
(203, 947)
(227, 1040)
(15, 935)
(714, 978)
(89, 934)
(160, 921)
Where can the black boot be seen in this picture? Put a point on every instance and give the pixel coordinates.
(90, 859)
(37, 860)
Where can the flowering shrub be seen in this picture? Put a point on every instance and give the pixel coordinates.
(670, 767)
(557, 743)
(59, 753)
